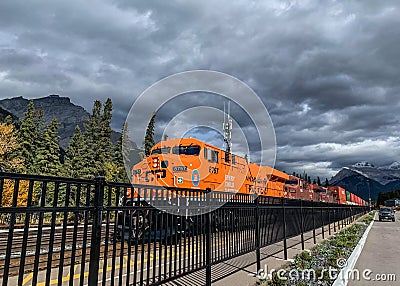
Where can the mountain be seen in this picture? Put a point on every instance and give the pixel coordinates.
(68, 114)
(4, 113)
(363, 178)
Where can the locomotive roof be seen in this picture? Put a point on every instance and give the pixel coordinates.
(193, 141)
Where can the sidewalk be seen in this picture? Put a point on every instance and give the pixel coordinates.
(380, 255)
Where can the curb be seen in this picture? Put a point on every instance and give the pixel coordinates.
(343, 276)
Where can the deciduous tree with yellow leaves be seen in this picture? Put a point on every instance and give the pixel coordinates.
(8, 143)
(8, 162)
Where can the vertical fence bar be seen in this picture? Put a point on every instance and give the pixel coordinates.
(322, 222)
(52, 232)
(96, 232)
(313, 222)
(302, 225)
(329, 219)
(257, 232)
(285, 254)
(26, 232)
(10, 234)
(344, 216)
(208, 244)
(334, 219)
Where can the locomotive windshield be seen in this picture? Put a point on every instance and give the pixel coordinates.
(291, 182)
(186, 150)
(164, 150)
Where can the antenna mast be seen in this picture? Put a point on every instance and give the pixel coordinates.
(227, 126)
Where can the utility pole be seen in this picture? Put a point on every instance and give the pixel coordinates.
(369, 194)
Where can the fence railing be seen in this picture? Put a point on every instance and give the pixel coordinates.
(77, 232)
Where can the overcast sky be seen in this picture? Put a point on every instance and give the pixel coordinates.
(327, 71)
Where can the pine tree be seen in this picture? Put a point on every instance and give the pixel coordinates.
(326, 183)
(318, 181)
(75, 162)
(47, 159)
(27, 136)
(98, 140)
(8, 120)
(92, 137)
(149, 137)
(105, 146)
(309, 179)
(116, 169)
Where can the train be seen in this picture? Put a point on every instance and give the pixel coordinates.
(192, 164)
(189, 163)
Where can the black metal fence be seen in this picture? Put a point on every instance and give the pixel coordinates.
(59, 231)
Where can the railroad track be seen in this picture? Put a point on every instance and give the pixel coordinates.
(73, 242)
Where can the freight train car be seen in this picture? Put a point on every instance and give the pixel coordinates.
(297, 188)
(322, 194)
(339, 194)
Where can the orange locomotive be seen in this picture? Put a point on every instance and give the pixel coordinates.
(193, 164)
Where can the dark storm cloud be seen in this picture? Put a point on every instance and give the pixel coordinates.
(327, 72)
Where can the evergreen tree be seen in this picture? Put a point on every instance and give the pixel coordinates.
(309, 179)
(314, 182)
(92, 137)
(149, 137)
(98, 140)
(105, 146)
(9, 120)
(326, 182)
(318, 181)
(27, 136)
(47, 159)
(75, 157)
(119, 172)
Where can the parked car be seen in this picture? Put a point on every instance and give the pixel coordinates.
(386, 213)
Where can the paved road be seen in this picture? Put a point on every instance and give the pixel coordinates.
(380, 255)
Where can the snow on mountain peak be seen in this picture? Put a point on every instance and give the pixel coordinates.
(363, 164)
(394, 166)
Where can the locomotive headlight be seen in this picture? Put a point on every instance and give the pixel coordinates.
(155, 162)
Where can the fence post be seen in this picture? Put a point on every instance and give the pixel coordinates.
(329, 219)
(95, 241)
(313, 221)
(302, 224)
(334, 219)
(208, 243)
(322, 222)
(285, 255)
(257, 233)
(344, 217)
(351, 214)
